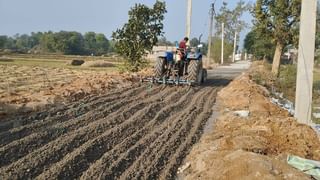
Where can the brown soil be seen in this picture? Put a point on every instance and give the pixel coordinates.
(24, 89)
(135, 131)
(253, 147)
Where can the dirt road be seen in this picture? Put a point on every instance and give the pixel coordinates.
(139, 131)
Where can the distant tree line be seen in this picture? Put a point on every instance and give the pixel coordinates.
(63, 42)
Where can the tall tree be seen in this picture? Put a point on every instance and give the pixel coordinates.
(231, 19)
(90, 42)
(102, 44)
(3, 41)
(140, 33)
(279, 20)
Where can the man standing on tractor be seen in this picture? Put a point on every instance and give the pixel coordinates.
(183, 54)
(183, 44)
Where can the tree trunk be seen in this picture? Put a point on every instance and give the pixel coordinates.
(276, 59)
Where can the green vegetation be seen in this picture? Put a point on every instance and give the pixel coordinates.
(278, 20)
(139, 34)
(232, 23)
(261, 46)
(63, 42)
(216, 50)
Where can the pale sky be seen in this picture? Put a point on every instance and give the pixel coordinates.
(102, 16)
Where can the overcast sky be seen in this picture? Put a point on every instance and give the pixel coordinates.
(103, 16)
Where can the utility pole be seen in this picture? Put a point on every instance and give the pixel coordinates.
(303, 105)
(222, 42)
(234, 46)
(210, 34)
(189, 14)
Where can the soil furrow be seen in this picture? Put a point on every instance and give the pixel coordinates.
(135, 140)
(33, 164)
(29, 143)
(24, 131)
(192, 137)
(123, 163)
(71, 167)
(149, 157)
(71, 109)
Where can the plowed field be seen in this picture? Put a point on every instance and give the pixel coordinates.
(134, 132)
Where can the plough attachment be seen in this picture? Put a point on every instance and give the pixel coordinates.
(173, 81)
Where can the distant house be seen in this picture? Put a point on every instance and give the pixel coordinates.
(159, 49)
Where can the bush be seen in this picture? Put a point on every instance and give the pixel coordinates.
(76, 62)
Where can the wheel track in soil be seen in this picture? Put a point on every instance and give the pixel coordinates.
(127, 133)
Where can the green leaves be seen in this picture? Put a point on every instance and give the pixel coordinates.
(278, 19)
(231, 19)
(139, 34)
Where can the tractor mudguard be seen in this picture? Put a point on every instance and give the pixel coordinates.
(194, 56)
(168, 55)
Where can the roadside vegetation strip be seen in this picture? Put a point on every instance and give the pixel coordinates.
(34, 163)
(149, 147)
(140, 136)
(21, 147)
(79, 160)
(65, 116)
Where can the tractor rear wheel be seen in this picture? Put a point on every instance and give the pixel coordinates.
(159, 68)
(195, 71)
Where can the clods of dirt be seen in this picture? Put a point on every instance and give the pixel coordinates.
(253, 147)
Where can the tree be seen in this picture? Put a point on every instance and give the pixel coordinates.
(3, 41)
(90, 42)
(216, 51)
(23, 42)
(139, 34)
(102, 44)
(164, 42)
(261, 47)
(231, 19)
(279, 20)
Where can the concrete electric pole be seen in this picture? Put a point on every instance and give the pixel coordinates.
(303, 105)
(211, 14)
(234, 46)
(222, 42)
(189, 14)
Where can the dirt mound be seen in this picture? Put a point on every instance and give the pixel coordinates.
(243, 94)
(251, 147)
(98, 63)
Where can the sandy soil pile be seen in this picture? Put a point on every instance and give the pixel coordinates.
(251, 147)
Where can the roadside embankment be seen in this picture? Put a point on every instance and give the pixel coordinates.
(251, 138)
